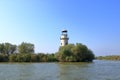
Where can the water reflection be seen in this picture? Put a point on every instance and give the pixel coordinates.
(74, 71)
(98, 70)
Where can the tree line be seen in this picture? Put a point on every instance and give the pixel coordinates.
(110, 57)
(8, 48)
(25, 53)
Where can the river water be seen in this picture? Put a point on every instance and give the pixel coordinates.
(98, 70)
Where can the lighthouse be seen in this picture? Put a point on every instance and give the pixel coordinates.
(64, 38)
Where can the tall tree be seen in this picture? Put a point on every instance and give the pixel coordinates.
(7, 48)
(26, 48)
(1, 48)
(71, 52)
(13, 49)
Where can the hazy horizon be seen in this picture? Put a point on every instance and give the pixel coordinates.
(95, 23)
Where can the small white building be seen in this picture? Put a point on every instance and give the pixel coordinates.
(64, 38)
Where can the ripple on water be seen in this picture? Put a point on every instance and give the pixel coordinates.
(98, 70)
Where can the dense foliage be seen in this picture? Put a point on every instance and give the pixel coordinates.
(111, 57)
(7, 48)
(32, 57)
(74, 53)
(26, 48)
(25, 53)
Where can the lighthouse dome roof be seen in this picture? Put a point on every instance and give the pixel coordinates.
(64, 30)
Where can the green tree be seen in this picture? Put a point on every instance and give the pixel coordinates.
(34, 58)
(90, 56)
(3, 58)
(12, 58)
(26, 48)
(80, 52)
(74, 53)
(51, 58)
(64, 52)
(7, 48)
(13, 49)
(40, 56)
(2, 48)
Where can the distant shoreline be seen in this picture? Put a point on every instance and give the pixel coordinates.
(109, 57)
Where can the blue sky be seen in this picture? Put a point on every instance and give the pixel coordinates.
(95, 23)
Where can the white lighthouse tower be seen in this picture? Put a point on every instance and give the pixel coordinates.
(64, 38)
